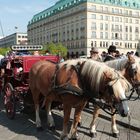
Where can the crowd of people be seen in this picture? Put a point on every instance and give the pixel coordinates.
(112, 54)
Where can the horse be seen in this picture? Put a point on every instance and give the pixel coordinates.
(72, 83)
(130, 69)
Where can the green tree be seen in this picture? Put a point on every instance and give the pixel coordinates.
(56, 49)
(62, 50)
(3, 50)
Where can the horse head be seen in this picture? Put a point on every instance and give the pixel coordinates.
(133, 72)
(115, 89)
(106, 83)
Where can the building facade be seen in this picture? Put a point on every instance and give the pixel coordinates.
(13, 39)
(82, 24)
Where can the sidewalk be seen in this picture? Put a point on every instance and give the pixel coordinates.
(133, 122)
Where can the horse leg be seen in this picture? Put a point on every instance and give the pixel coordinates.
(67, 111)
(77, 119)
(50, 120)
(35, 94)
(96, 111)
(115, 131)
(38, 121)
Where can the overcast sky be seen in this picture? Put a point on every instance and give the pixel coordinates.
(17, 13)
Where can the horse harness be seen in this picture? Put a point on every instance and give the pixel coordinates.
(132, 71)
(67, 87)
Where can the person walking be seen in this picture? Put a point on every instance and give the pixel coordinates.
(94, 54)
(111, 53)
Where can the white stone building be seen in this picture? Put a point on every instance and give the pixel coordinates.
(13, 39)
(81, 24)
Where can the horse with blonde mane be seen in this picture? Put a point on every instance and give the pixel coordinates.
(130, 68)
(73, 82)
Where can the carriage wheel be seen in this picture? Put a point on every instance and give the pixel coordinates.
(9, 101)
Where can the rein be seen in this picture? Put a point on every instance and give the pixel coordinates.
(133, 90)
(105, 107)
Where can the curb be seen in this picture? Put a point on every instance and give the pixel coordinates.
(133, 125)
(123, 121)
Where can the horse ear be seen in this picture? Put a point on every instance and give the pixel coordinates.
(131, 58)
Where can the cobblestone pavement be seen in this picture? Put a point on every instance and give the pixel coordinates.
(23, 128)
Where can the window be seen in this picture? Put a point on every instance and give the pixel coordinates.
(101, 35)
(106, 9)
(130, 20)
(112, 18)
(106, 26)
(101, 26)
(106, 18)
(137, 29)
(130, 28)
(93, 25)
(106, 35)
(101, 17)
(116, 36)
(137, 21)
(93, 35)
(130, 37)
(116, 27)
(100, 44)
(93, 16)
(126, 28)
(116, 11)
(126, 20)
(126, 37)
(116, 19)
(93, 7)
(101, 8)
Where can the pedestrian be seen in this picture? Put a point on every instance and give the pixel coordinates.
(36, 53)
(94, 54)
(111, 53)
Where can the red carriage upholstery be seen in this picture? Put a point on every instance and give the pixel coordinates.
(28, 61)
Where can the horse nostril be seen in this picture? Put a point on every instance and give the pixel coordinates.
(124, 114)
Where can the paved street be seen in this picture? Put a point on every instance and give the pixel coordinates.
(23, 126)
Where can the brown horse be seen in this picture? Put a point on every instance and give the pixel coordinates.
(130, 68)
(73, 82)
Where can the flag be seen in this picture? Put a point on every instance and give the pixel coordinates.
(16, 27)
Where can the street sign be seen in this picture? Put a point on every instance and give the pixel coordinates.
(26, 47)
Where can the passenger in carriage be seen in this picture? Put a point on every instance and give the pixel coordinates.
(111, 53)
(36, 53)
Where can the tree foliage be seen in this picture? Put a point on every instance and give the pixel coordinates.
(56, 49)
(3, 50)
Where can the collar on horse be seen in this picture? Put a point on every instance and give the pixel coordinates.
(67, 87)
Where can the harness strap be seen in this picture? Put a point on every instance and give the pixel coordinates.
(105, 107)
(68, 88)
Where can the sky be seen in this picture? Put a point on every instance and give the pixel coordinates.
(15, 14)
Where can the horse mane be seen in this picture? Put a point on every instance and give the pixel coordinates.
(117, 64)
(93, 72)
(72, 62)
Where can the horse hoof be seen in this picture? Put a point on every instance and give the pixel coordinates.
(115, 135)
(52, 128)
(79, 124)
(39, 129)
(93, 134)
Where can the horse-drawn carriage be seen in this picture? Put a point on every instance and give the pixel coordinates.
(72, 83)
(15, 87)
